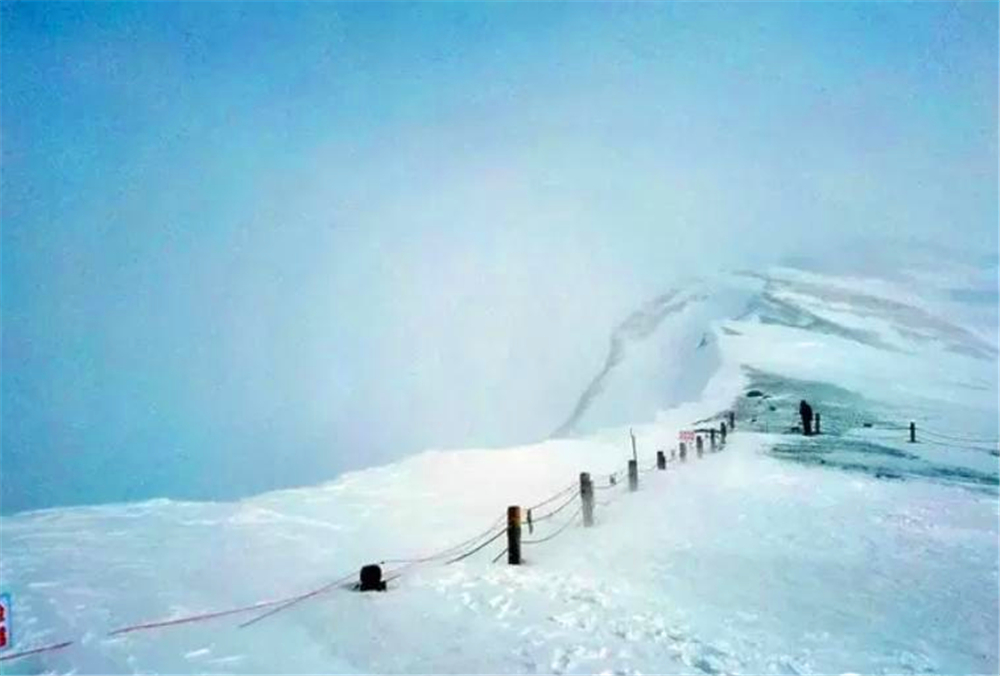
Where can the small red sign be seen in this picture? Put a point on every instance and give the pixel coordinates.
(4, 621)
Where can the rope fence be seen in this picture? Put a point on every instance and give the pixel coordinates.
(912, 433)
(583, 490)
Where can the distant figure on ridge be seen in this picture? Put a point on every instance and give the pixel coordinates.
(806, 413)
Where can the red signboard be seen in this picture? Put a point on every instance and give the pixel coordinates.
(4, 621)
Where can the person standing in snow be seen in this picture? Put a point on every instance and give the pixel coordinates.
(806, 413)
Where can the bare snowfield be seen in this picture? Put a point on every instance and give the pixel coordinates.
(735, 563)
(775, 555)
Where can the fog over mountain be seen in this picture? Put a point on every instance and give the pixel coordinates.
(254, 246)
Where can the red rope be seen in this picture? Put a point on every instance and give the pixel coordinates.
(289, 602)
(35, 651)
(195, 618)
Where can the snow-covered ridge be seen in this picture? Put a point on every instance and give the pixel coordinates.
(667, 351)
(637, 327)
(778, 555)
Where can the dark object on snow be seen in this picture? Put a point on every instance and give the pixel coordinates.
(514, 531)
(817, 428)
(772, 408)
(867, 424)
(755, 393)
(371, 578)
(587, 497)
(806, 413)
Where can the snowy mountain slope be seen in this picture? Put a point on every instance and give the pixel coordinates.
(660, 356)
(854, 551)
(833, 329)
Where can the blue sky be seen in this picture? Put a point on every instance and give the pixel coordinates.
(254, 245)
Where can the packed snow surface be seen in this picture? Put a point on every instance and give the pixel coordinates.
(855, 551)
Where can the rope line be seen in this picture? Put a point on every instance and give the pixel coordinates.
(566, 525)
(274, 606)
(195, 618)
(555, 496)
(954, 446)
(445, 552)
(470, 553)
(930, 431)
(925, 441)
(36, 651)
(549, 515)
(948, 437)
(298, 599)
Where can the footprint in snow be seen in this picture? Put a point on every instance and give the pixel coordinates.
(504, 606)
(469, 602)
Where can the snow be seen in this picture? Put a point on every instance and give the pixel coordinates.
(882, 558)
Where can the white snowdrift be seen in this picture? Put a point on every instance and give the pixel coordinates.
(738, 563)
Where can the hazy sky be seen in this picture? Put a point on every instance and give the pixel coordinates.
(253, 245)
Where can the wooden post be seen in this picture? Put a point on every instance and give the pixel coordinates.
(711, 436)
(699, 445)
(816, 431)
(684, 452)
(732, 420)
(913, 432)
(587, 498)
(514, 535)
(634, 456)
(661, 460)
(722, 432)
(633, 475)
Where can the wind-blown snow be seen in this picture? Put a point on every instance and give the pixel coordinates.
(851, 552)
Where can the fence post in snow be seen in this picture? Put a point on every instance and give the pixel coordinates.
(732, 420)
(633, 475)
(722, 432)
(661, 460)
(684, 452)
(587, 498)
(514, 535)
(711, 436)
(699, 445)
(913, 432)
(816, 431)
